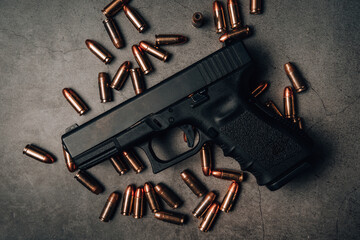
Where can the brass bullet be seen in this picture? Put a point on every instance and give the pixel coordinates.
(75, 101)
(128, 199)
(104, 88)
(197, 20)
(294, 76)
(142, 60)
(234, 14)
(259, 89)
(154, 51)
(120, 76)
(137, 80)
(89, 182)
(170, 39)
(255, 6)
(119, 165)
(134, 161)
(226, 174)
(114, 33)
(206, 159)
(300, 123)
(270, 104)
(193, 183)
(204, 205)
(139, 203)
(168, 196)
(151, 197)
(110, 207)
(229, 198)
(170, 217)
(99, 51)
(38, 154)
(219, 18)
(69, 161)
(239, 33)
(114, 7)
(289, 103)
(210, 215)
(135, 18)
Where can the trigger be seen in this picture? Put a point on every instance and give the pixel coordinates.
(189, 133)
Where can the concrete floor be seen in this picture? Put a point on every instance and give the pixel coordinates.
(42, 51)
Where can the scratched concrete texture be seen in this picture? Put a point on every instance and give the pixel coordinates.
(43, 50)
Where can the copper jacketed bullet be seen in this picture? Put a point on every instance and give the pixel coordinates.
(99, 51)
(230, 197)
(255, 6)
(171, 217)
(134, 161)
(89, 182)
(138, 209)
(114, 7)
(197, 19)
(104, 88)
(142, 60)
(296, 80)
(120, 76)
(226, 174)
(210, 215)
(193, 183)
(289, 103)
(128, 199)
(204, 205)
(270, 104)
(239, 33)
(38, 154)
(170, 39)
(234, 14)
(168, 196)
(219, 18)
(154, 51)
(206, 159)
(69, 161)
(135, 18)
(259, 89)
(114, 33)
(137, 80)
(110, 207)
(75, 101)
(151, 197)
(119, 164)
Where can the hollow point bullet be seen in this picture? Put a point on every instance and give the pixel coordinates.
(114, 7)
(289, 103)
(151, 197)
(75, 101)
(294, 76)
(234, 14)
(128, 199)
(110, 207)
(204, 205)
(137, 80)
(170, 39)
(135, 18)
(70, 164)
(259, 89)
(239, 33)
(99, 51)
(168, 196)
(270, 104)
(89, 182)
(210, 215)
(219, 18)
(120, 76)
(170, 217)
(114, 33)
(133, 160)
(230, 197)
(138, 209)
(119, 165)
(38, 154)
(206, 159)
(197, 20)
(154, 51)
(104, 88)
(226, 174)
(142, 60)
(255, 6)
(193, 183)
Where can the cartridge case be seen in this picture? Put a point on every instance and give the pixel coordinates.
(197, 20)
(219, 17)
(75, 101)
(104, 88)
(193, 183)
(170, 217)
(226, 174)
(69, 161)
(255, 6)
(137, 80)
(142, 60)
(289, 103)
(209, 217)
(270, 104)
(295, 78)
(168, 196)
(259, 89)
(170, 39)
(230, 197)
(239, 33)
(114, 33)
(99, 51)
(38, 154)
(204, 205)
(154, 51)
(114, 7)
(120, 76)
(110, 207)
(151, 197)
(206, 159)
(128, 200)
(139, 203)
(234, 14)
(134, 161)
(135, 18)
(119, 164)
(89, 182)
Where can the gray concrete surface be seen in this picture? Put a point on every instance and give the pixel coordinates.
(42, 51)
